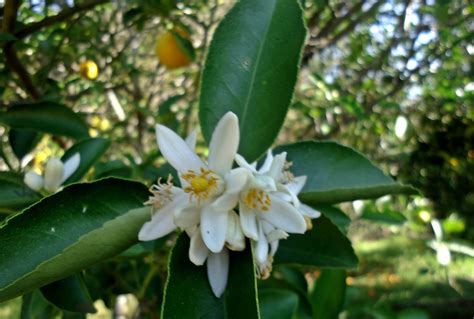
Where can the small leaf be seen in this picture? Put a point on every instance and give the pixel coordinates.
(90, 150)
(69, 294)
(14, 194)
(277, 303)
(48, 117)
(23, 141)
(251, 70)
(75, 228)
(323, 246)
(338, 173)
(329, 293)
(188, 294)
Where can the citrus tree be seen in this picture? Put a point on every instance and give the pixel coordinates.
(123, 196)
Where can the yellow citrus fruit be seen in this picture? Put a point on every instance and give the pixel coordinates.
(89, 70)
(169, 50)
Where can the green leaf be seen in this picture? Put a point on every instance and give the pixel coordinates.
(387, 217)
(23, 141)
(115, 168)
(48, 117)
(14, 194)
(68, 231)
(336, 216)
(251, 70)
(70, 294)
(338, 173)
(7, 37)
(277, 303)
(188, 294)
(329, 293)
(35, 306)
(323, 246)
(90, 150)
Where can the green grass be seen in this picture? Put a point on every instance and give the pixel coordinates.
(399, 273)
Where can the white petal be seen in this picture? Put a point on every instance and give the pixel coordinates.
(235, 181)
(70, 166)
(274, 247)
(187, 217)
(234, 237)
(240, 160)
(33, 181)
(261, 250)
(266, 226)
(213, 228)
(248, 221)
(53, 174)
(276, 235)
(224, 143)
(191, 139)
(160, 225)
(293, 197)
(309, 211)
(198, 251)
(176, 151)
(284, 216)
(267, 163)
(277, 166)
(217, 271)
(297, 184)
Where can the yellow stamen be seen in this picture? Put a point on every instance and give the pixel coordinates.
(257, 199)
(201, 185)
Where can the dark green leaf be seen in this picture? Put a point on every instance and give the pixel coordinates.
(336, 216)
(14, 194)
(23, 141)
(244, 74)
(35, 306)
(115, 168)
(7, 37)
(59, 235)
(323, 246)
(90, 150)
(277, 303)
(69, 294)
(188, 294)
(45, 117)
(338, 173)
(329, 293)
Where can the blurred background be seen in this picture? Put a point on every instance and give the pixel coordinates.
(393, 79)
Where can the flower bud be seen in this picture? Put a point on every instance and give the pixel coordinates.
(33, 181)
(234, 237)
(53, 174)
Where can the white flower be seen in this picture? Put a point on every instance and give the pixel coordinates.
(55, 174)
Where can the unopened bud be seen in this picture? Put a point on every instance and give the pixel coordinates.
(33, 181)
(234, 237)
(53, 174)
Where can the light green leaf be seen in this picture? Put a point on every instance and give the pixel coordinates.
(69, 294)
(68, 231)
(47, 117)
(277, 303)
(251, 70)
(338, 173)
(90, 150)
(14, 194)
(188, 294)
(329, 293)
(323, 246)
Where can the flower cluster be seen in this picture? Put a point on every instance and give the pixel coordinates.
(55, 174)
(205, 205)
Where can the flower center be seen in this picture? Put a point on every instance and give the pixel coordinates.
(202, 185)
(257, 199)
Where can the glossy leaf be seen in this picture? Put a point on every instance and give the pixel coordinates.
(243, 73)
(329, 293)
(337, 173)
(336, 216)
(188, 294)
(90, 150)
(69, 294)
(14, 194)
(23, 141)
(68, 231)
(47, 117)
(277, 303)
(323, 246)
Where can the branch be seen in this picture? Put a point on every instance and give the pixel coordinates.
(61, 16)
